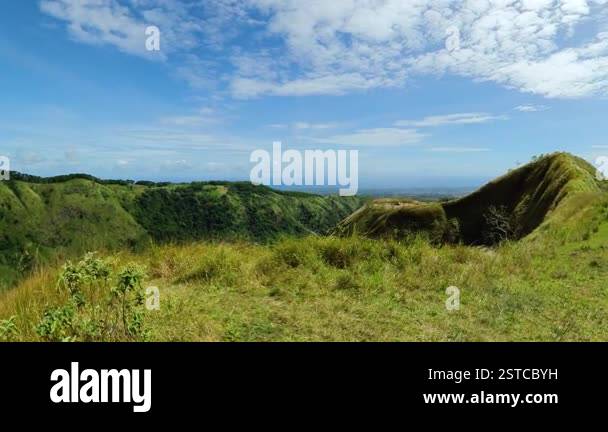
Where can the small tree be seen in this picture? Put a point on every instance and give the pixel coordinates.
(498, 226)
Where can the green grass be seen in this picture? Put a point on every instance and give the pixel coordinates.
(358, 289)
(551, 285)
(529, 195)
(45, 221)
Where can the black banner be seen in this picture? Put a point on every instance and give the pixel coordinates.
(304, 380)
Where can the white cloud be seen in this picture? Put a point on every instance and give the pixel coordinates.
(306, 126)
(531, 108)
(100, 22)
(168, 136)
(314, 126)
(245, 88)
(171, 139)
(123, 23)
(380, 137)
(320, 47)
(404, 132)
(450, 119)
(519, 44)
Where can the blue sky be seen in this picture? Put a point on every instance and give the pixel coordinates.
(80, 93)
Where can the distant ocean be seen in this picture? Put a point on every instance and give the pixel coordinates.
(436, 192)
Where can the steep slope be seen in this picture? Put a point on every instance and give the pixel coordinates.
(43, 219)
(222, 210)
(511, 206)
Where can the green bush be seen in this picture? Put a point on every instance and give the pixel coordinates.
(8, 329)
(95, 309)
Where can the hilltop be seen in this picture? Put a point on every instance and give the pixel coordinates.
(42, 219)
(509, 207)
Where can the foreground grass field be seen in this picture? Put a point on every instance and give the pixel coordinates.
(551, 287)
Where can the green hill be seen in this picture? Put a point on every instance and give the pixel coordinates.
(548, 286)
(510, 207)
(42, 219)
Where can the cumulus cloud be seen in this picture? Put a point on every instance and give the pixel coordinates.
(123, 24)
(320, 47)
(383, 43)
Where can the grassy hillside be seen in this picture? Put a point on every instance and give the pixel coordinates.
(548, 286)
(236, 210)
(39, 222)
(552, 288)
(42, 220)
(509, 207)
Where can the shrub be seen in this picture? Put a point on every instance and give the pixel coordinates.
(8, 329)
(95, 309)
(57, 324)
(128, 295)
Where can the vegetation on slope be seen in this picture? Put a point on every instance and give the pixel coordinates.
(57, 218)
(551, 286)
(356, 289)
(39, 222)
(511, 206)
(236, 210)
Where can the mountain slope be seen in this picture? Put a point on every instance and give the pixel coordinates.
(511, 206)
(550, 286)
(44, 219)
